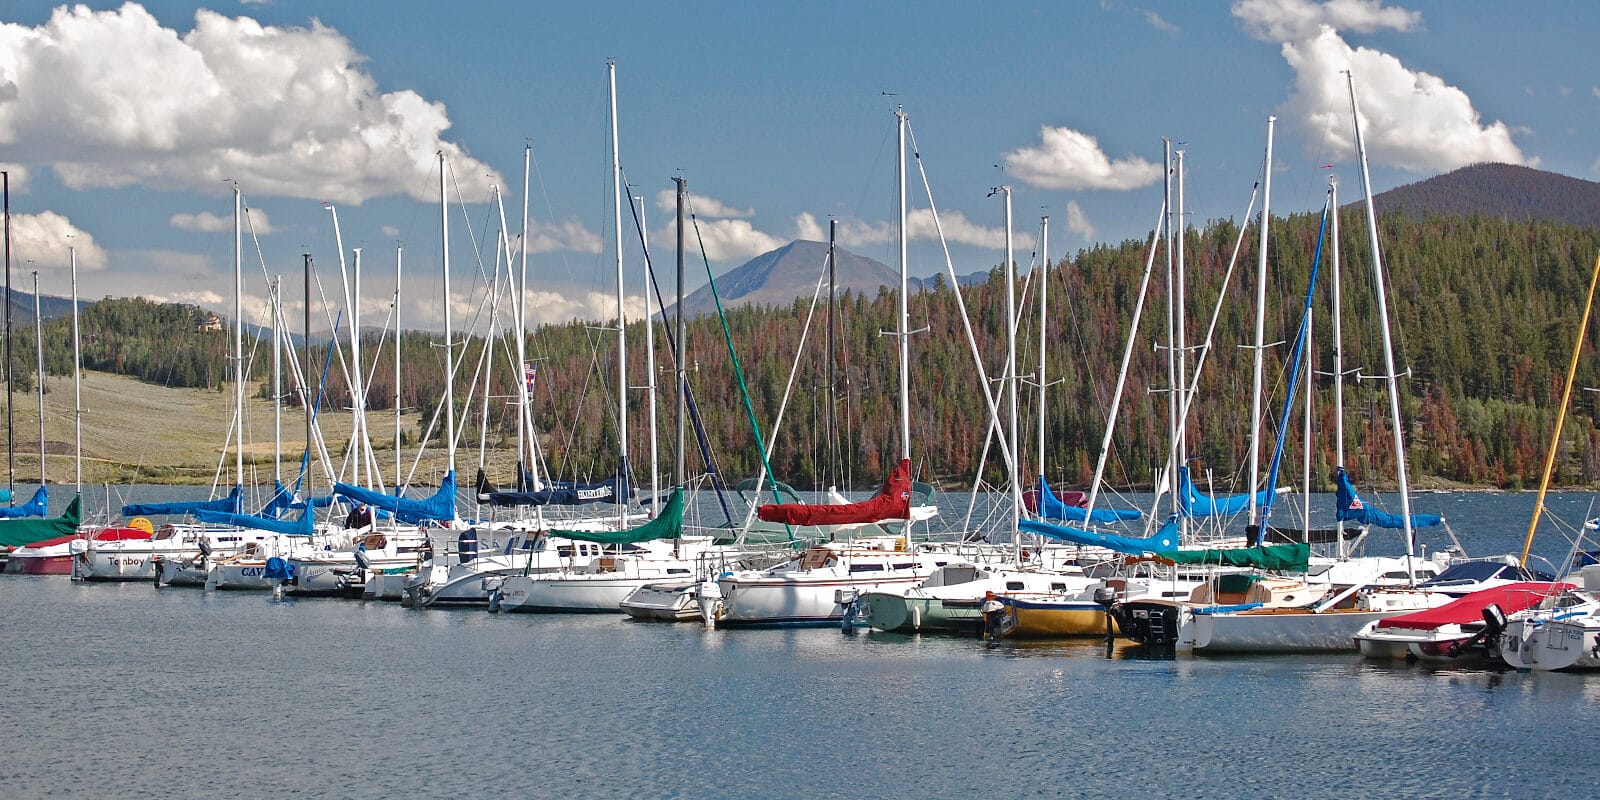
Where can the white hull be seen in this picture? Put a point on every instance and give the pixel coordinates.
(1546, 644)
(564, 593)
(666, 602)
(1282, 632)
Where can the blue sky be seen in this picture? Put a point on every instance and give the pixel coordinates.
(120, 123)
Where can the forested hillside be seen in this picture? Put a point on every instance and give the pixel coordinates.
(1485, 311)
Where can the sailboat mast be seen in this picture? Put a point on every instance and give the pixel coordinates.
(682, 375)
(11, 401)
(449, 347)
(238, 336)
(77, 377)
(1180, 344)
(903, 320)
(833, 291)
(1378, 285)
(1338, 348)
(1561, 416)
(305, 372)
(524, 439)
(1010, 377)
(650, 369)
(1044, 318)
(1261, 328)
(399, 259)
(622, 321)
(277, 380)
(38, 341)
(1172, 367)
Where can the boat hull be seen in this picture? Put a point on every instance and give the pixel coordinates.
(1279, 630)
(1549, 645)
(664, 602)
(890, 612)
(797, 599)
(1041, 619)
(52, 564)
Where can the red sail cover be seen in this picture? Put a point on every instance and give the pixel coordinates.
(1510, 597)
(893, 501)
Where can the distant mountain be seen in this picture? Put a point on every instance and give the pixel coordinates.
(778, 277)
(50, 306)
(1502, 191)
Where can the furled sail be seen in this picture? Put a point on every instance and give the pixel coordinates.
(285, 500)
(615, 489)
(668, 525)
(33, 508)
(300, 527)
(1351, 509)
(229, 505)
(893, 501)
(1052, 507)
(20, 532)
(440, 507)
(1286, 557)
(1165, 538)
(1195, 504)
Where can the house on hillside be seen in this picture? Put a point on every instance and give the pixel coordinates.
(208, 323)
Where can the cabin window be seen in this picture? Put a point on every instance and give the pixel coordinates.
(564, 552)
(1013, 586)
(1058, 587)
(866, 568)
(677, 571)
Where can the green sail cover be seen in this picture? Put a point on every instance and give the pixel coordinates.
(1285, 557)
(668, 525)
(20, 532)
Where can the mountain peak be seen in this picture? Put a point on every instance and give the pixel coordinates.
(1507, 191)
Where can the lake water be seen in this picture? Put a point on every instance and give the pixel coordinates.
(129, 691)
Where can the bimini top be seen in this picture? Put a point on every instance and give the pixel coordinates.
(1510, 597)
(893, 501)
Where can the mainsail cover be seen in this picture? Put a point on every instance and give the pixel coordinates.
(1165, 538)
(285, 500)
(667, 525)
(1195, 504)
(440, 507)
(20, 532)
(1351, 509)
(229, 505)
(33, 508)
(1051, 507)
(893, 501)
(615, 489)
(1285, 557)
(287, 527)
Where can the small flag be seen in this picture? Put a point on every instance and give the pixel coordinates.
(530, 370)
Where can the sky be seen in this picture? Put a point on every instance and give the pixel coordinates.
(126, 127)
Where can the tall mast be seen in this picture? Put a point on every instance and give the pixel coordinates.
(238, 336)
(77, 377)
(399, 259)
(678, 344)
(11, 401)
(833, 433)
(305, 372)
(1010, 377)
(622, 321)
(1180, 344)
(650, 369)
(38, 341)
(1338, 349)
(449, 347)
(524, 455)
(1172, 367)
(1044, 317)
(277, 380)
(1261, 328)
(1378, 285)
(903, 320)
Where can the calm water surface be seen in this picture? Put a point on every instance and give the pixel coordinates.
(127, 691)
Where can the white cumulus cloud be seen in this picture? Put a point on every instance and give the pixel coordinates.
(568, 234)
(1410, 119)
(701, 205)
(920, 224)
(724, 239)
(113, 98)
(206, 222)
(1069, 160)
(45, 238)
(1284, 20)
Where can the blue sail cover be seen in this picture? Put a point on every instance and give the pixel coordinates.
(1164, 539)
(32, 508)
(228, 505)
(1195, 504)
(440, 507)
(300, 527)
(612, 490)
(1351, 509)
(285, 500)
(1051, 507)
